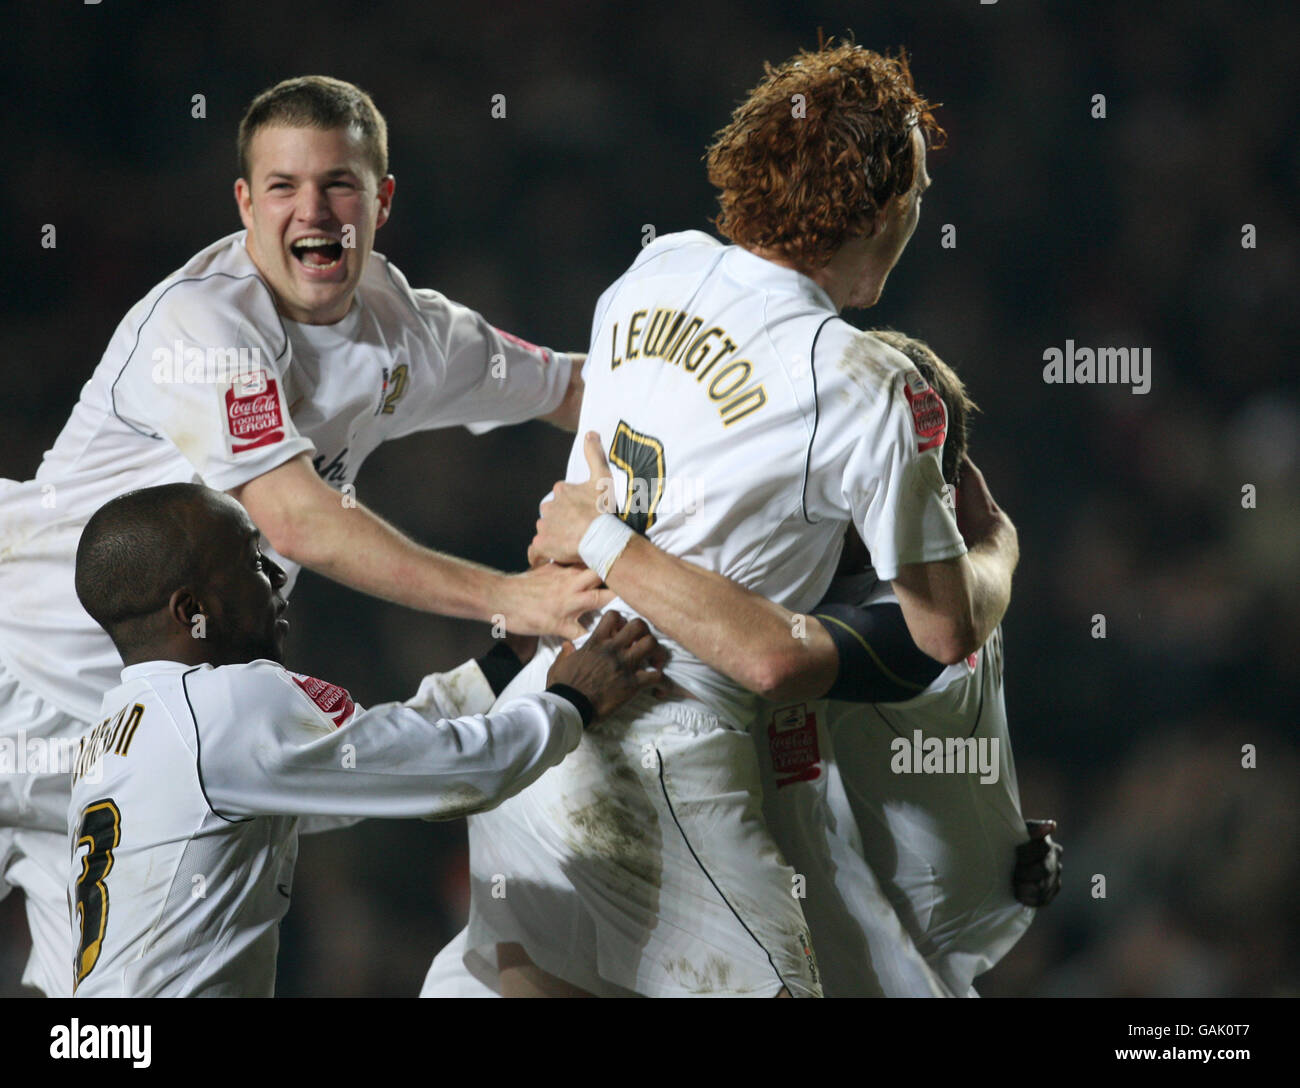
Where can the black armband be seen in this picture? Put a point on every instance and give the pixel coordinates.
(580, 701)
(879, 662)
(499, 666)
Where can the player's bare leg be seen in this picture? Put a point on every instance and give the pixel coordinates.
(520, 977)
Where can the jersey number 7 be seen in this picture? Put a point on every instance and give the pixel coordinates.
(642, 458)
(101, 831)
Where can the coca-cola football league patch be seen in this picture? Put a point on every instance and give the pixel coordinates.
(254, 416)
(334, 702)
(792, 740)
(929, 416)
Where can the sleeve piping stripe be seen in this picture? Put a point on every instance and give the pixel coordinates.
(198, 751)
(112, 389)
(807, 461)
(889, 673)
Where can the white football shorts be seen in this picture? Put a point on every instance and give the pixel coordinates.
(641, 864)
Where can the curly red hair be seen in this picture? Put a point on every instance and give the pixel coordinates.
(802, 177)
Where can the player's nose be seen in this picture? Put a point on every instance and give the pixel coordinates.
(275, 571)
(313, 203)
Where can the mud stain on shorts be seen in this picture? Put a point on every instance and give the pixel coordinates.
(612, 824)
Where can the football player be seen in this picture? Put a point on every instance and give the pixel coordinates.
(750, 426)
(187, 793)
(270, 365)
(856, 778)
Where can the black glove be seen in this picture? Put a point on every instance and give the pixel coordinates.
(1037, 877)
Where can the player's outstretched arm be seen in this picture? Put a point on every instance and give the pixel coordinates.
(306, 521)
(853, 653)
(283, 753)
(952, 606)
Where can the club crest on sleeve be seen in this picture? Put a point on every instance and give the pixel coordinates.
(929, 416)
(250, 383)
(792, 740)
(334, 701)
(253, 416)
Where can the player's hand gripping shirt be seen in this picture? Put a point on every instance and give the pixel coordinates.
(188, 793)
(739, 447)
(204, 381)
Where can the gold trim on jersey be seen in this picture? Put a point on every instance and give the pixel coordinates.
(113, 734)
(93, 899)
(623, 453)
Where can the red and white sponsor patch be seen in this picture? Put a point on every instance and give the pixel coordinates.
(253, 418)
(519, 341)
(929, 416)
(334, 701)
(792, 740)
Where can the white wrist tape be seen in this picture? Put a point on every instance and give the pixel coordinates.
(603, 543)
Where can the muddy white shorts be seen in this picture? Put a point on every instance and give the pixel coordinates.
(641, 864)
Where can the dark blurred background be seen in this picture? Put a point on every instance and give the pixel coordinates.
(1119, 231)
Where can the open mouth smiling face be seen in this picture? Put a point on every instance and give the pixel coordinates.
(318, 253)
(311, 209)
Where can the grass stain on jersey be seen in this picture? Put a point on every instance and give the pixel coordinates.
(861, 362)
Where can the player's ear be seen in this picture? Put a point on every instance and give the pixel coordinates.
(387, 186)
(244, 201)
(894, 208)
(184, 608)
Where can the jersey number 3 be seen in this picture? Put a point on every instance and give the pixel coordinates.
(642, 458)
(101, 831)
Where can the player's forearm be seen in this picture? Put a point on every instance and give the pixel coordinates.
(395, 761)
(954, 605)
(567, 414)
(762, 646)
(993, 550)
(308, 522)
(993, 562)
(356, 547)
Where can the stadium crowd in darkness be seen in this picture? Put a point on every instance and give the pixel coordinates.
(1123, 230)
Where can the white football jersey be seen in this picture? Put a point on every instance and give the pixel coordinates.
(926, 791)
(204, 381)
(738, 447)
(187, 797)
